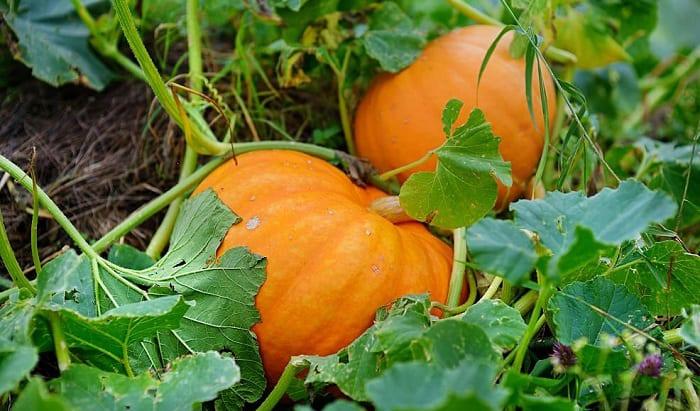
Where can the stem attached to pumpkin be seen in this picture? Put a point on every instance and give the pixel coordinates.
(290, 371)
(552, 53)
(390, 208)
(458, 266)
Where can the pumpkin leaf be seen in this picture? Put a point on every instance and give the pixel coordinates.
(502, 323)
(690, 330)
(35, 396)
(403, 334)
(424, 386)
(17, 354)
(500, 248)
(190, 380)
(113, 332)
(596, 309)
(577, 229)
(463, 187)
(664, 277)
(53, 42)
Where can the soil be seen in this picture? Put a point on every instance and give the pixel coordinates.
(97, 156)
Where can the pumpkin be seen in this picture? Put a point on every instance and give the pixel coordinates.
(331, 260)
(399, 118)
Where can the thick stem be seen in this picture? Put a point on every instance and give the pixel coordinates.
(493, 288)
(10, 261)
(194, 45)
(458, 265)
(525, 303)
(59, 342)
(390, 208)
(280, 388)
(406, 167)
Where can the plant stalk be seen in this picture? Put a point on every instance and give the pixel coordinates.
(532, 327)
(413, 164)
(59, 342)
(10, 260)
(280, 388)
(343, 106)
(458, 266)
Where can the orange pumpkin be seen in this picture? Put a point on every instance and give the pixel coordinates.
(399, 118)
(331, 260)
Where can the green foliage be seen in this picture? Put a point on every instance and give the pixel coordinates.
(468, 163)
(54, 43)
(503, 324)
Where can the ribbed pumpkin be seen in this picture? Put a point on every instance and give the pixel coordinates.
(332, 262)
(399, 118)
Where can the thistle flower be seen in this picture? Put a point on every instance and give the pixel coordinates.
(650, 365)
(562, 357)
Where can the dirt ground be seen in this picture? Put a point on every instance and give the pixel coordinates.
(97, 156)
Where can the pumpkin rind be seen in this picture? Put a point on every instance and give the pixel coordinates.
(331, 261)
(399, 118)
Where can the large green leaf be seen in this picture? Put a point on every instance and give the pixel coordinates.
(393, 49)
(664, 277)
(189, 381)
(597, 308)
(67, 282)
(223, 313)
(422, 386)
(54, 42)
(112, 333)
(502, 323)
(463, 187)
(576, 229)
(500, 248)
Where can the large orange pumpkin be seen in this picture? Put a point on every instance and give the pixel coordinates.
(331, 260)
(399, 118)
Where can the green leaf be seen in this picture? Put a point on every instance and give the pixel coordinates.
(450, 341)
(114, 331)
(450, 114)
(129, 257)
(394, 50)
(423, 386)
(53, 42)
(189, 381)
(463, 187)
(500, 248)
(664, 277)
(585, 35)
(36, 397)
(502, 323)
(67, 282)
(523, 388)
(223, 313)
(17, 355)
(201, 226)
(576, 228)
(690, 330)
(594, 309)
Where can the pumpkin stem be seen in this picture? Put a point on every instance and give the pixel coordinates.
(390, 208)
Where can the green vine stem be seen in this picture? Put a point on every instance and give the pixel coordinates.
(343, 106)
(23, 179)
(532, 328)
(59, 342)
(413, 164)
(8, 258)
(458, 266)
(290, 371)
(552, 53)
(189, 162)
(525, 303)
(34, 228)
(102, 45)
